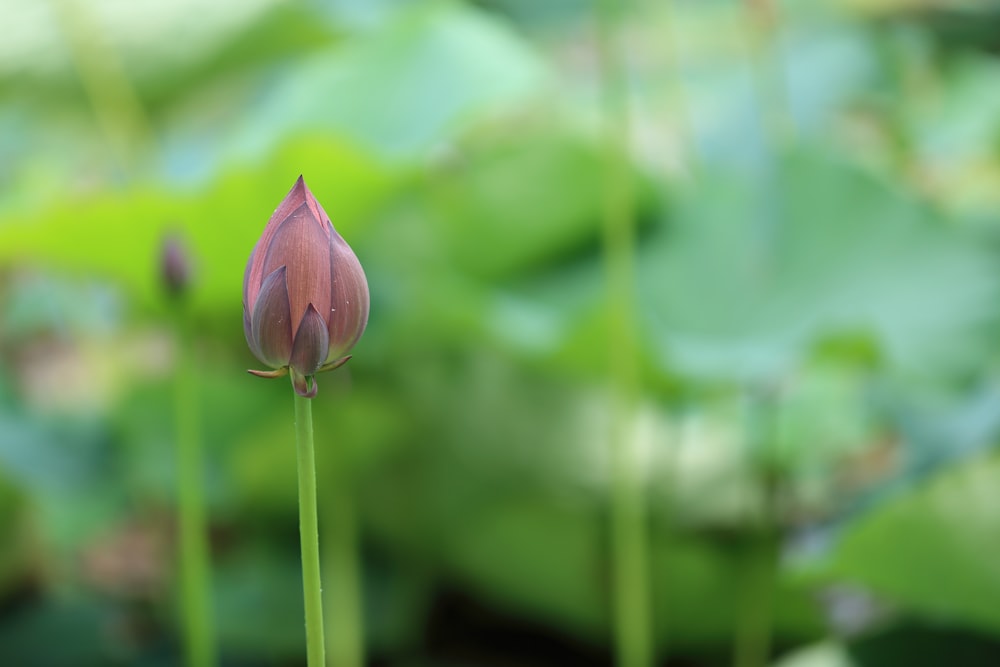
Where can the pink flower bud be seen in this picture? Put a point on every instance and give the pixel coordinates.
(305, 296)
(175, 266)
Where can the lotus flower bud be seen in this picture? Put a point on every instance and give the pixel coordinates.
(305, 296)
(175, 266)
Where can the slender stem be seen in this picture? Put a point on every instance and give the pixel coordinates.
(687, 136)
(629, 540)
(193, 543)
(115, 102)
(753, 632)
(769, 78)
(754, 623)
(343, 579)
(309, 532)
(632, 613)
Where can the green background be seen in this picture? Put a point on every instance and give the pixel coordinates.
(817, 282)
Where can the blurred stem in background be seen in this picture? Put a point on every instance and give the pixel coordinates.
(114, 100)
(309, 531)
(344, 590)
(193, 551)
(686, 135)
(772, 90)
(193, 545)
(904, 75)
(754, 622)
(755, 612)
(628, 513)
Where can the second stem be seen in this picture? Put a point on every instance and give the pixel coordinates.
(629, 542)
(193, 527)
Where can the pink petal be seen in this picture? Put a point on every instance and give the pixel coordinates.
(311, 343)
(251, 288)
(248, 329)
(300, 245)
(298, 196)
(270, 324)
(312, 202)
(349, 298)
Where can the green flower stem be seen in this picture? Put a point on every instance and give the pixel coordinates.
(343, 579)
(309, 532)
(193, 542)
(628, 513)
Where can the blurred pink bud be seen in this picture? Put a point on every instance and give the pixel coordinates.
(175, 266)
(305, 296)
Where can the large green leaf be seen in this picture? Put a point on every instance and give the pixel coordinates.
(520, 203)
(143, 35)
(116, 235)
(743, 281)
(258, 605)
(933, 548)
(28, 636)
(404, 88)
(500, 461)
(552, 561)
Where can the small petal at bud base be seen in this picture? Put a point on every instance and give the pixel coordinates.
(305, 385)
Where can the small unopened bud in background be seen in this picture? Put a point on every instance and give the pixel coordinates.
(305, 295)
(175, 266)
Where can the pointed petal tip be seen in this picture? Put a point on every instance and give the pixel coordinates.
(297, 194)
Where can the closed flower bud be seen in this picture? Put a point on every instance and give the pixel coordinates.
(305, 296)
(175, 266)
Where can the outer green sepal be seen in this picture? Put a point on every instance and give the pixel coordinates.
(333, 365)
(279, 373)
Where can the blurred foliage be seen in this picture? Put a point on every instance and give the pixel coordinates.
(818, 202)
